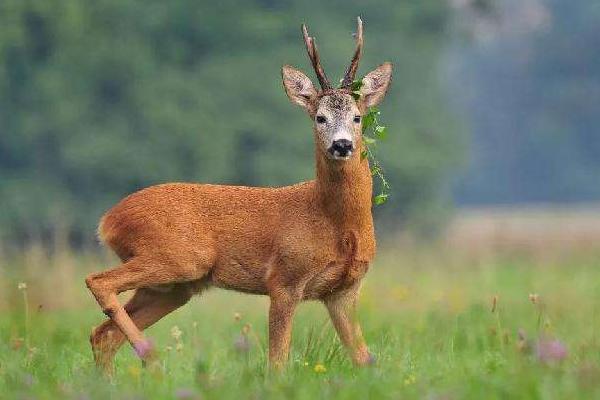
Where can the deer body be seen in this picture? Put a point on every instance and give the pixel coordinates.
(276, 236)
(309, 241)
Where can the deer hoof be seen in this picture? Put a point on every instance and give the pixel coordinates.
(366, 360)
(144, 349)
(371, 359)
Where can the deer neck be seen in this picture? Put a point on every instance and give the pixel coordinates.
(344, 190)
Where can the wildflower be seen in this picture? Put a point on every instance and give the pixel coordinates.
(306, 363)
(185, 394)
(494, 303)
(401, 293)
(179, 346)
(176, 332)
(371, 358)
(242, 344)
(169, 348)
(522, 342)
(534, 298)
(246, 329)
(22, 286)
(505, 337)
(134, 371)
(237, 316)
(17, 343)
(320, 368)
(409, 380)
(551, 350)
(28, 380)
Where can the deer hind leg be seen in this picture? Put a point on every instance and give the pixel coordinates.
(145, 308)
(137, 273)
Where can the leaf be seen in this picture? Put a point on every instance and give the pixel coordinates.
(374, 110)
(375, 170)
(380, 131)
(363, 154)
(356, 94)
(367, 121)
(368, 140)
(356, 85)
(380, 199)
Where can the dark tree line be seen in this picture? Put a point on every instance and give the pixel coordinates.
(101, 98)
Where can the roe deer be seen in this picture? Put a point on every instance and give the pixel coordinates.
(309, 241)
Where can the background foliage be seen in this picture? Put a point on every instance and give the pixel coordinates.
(101, 98)
(530, 88)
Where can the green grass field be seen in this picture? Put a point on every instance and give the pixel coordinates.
(427, 316)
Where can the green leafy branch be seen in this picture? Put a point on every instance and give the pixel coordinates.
(372, 132)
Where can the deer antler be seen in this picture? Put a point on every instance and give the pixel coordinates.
(313, 54)
(351, 71)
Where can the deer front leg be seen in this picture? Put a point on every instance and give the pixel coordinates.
(281, 314)
(342, 310)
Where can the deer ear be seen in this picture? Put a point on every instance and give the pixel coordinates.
(298, 87)
(375, 84)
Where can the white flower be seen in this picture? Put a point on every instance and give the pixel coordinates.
(176, 332)
(22, 286)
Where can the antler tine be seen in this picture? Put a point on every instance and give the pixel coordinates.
(313, 54)
(351, 71)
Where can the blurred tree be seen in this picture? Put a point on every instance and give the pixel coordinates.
(101, 98)
(532, 88)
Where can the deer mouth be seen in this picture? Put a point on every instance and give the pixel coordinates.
(335, 154)
(341, 149)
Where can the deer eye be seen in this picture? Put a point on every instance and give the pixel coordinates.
(357, 118)
(321, 119)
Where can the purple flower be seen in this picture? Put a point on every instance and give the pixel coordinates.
(143, 348)
(185, 394)
(242, 344)
(551, 350)
(372, 360)
(28, 380)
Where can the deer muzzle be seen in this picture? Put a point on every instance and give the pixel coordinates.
(341, 149)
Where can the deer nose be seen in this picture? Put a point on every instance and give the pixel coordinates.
(341, 148)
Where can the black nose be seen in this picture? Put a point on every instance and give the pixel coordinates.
(341, 147)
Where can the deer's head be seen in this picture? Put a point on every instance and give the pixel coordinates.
(336, 115)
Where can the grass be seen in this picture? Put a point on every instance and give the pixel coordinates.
(427, 316)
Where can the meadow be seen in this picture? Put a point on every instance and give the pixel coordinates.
(443, 324)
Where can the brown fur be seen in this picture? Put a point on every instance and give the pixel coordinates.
(310, 241)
